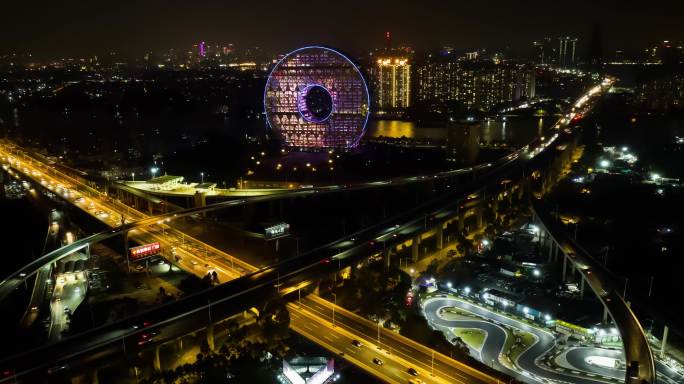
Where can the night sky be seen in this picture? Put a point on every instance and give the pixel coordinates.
(48, 28)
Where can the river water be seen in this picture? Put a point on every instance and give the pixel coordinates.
(516, 130)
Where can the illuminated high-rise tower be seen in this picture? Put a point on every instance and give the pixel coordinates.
(392, 80)
(566, 51)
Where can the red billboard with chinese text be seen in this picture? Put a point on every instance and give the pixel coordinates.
(143, 251)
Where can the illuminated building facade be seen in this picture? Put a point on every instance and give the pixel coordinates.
(316, 98)
(437, 79)
(662, 92)
(566, 51)
(392, 83)
(307, 370)
(478, 85)
(544, 51)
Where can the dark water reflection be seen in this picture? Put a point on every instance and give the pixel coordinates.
(517, 131)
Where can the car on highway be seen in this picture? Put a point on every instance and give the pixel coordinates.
(142, 342)
(57, 368)
(142, 324)
(357, 343)
(377, 361)
(149, 335)
(412, 372)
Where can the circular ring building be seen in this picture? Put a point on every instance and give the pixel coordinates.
(316, 98)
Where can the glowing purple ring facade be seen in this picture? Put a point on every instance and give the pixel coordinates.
(294, 76)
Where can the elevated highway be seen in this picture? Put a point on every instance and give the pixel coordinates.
(638, 354)
(218, 301)
(113, 336)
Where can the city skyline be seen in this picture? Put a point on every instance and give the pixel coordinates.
(154, 26)
(302, 192)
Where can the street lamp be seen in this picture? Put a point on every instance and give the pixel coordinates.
(650, 287)
(624, 294)
(202, 176)
(133, 176)
(154, 171)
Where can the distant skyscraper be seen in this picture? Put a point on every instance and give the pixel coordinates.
(544, 51)
(566, 51)
(392, 82)
(480, 85)
(202, 49)
(437, 79)
(595, 57)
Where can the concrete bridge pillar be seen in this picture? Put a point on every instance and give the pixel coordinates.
(387, 256)
(415, 248)
(461, 220)
(200, 200)
(439, 235)
(581, 286)
(552, 245)
(573, 270)
(179, 345)
(125, 250)
(605, 314)
(495, 208)
(556, 250)
(210, 336)
(155, 360)
(479, 215)
(663, 346)
(565, 267)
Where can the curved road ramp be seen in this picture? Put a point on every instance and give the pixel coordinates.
(638, 354)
